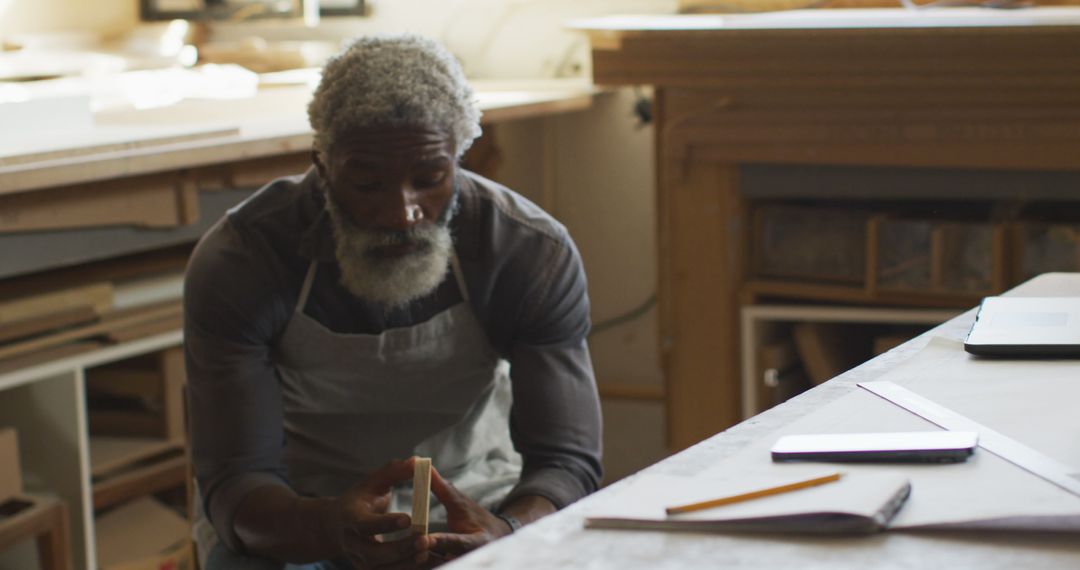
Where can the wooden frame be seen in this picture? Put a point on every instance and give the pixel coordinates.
(219, 10)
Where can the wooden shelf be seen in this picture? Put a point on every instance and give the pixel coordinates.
(763, 325)
(755, 290)
(159, 476)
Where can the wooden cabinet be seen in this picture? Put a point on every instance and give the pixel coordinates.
(985, 91)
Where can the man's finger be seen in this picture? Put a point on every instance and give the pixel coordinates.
(380, 503)
(448, 543)
(455, 501)
(384, 478)
(370, 525)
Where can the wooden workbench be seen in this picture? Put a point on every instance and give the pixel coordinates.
(945, 89)
(176, 168)
(560, 541)
(194, 133)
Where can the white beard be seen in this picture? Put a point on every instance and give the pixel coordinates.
(392, 281)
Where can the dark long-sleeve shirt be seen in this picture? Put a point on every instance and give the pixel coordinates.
(526, 286)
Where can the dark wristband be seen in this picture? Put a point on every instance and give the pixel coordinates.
(510, 520)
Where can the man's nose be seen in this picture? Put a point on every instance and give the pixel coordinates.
(401, 211)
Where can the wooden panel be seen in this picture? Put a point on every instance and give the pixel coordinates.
(703, 231)
(32, 305)
(151, 201)
(862, 66)
(976, 137)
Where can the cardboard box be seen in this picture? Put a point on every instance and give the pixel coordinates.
(10, 473)
(143, 535)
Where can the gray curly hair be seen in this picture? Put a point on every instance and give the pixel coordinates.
(393, 81)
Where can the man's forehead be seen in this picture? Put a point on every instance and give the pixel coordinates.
(405, 142)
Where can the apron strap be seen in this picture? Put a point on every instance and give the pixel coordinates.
(306, 289)
(459, 276)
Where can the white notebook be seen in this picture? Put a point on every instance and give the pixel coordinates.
(859, 503)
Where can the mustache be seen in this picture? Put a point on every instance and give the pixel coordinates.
(417, 235)
(421, 239)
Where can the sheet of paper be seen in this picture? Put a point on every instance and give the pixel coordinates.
(1033, 401)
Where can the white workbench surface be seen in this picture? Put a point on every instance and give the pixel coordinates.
(560, 541)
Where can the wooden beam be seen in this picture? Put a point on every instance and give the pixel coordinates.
(704, 235)
(163, 475)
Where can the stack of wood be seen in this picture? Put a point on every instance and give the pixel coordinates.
(44, 318)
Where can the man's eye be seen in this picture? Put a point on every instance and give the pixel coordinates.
(431, 179)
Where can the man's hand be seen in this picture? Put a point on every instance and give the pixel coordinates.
(360, 520)
(470, 525)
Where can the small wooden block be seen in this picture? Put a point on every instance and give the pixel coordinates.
(421, 499)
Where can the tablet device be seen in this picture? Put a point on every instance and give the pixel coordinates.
(1026, 326)
(919, 447)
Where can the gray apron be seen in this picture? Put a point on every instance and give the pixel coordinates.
(353, 402)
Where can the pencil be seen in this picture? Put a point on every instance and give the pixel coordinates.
(754, 494)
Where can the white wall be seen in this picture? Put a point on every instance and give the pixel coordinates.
(94, 16)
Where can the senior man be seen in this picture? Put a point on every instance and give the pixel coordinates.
(385, 304)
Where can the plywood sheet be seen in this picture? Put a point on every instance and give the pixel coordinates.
(98, 296)
(45, 323)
